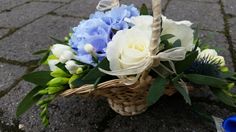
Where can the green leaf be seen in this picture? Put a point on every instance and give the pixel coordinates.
(224, 97)
(228, 75)
(156, 90)
(62, 67)
(166, 37)
(181, 66)
(177, 43)
(144, 10)
(58, 41)
(29, 100)
(40, 78)
(40, 52)
(92, 75)
(207, 80)
(44, 58)
(183, 92)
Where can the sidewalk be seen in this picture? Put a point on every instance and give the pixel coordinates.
(25, 27)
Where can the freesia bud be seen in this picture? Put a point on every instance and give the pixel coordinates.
(53, 90)
(59, 73)
(72, 67)
(58, 81)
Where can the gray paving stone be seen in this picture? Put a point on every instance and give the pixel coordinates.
(9, 74)
(218, 41)
(35, 36)
(207, 1)
(7, 4)
(26, 13)
(79, 8)
(3, 32)
(229, 6)
(56, 0)
(206, 15)
(232, 24)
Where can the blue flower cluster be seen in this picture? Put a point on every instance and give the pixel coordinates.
(97, 31)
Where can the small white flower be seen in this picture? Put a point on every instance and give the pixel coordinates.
(52, 64)
(180, 29)
(72, 67)
(88, 48)
(62, 52)
(212, 54)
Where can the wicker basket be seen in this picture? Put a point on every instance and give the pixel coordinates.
(128, 100)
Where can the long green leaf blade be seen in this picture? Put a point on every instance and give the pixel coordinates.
(156, 90)
(39, 78)
(183, 92)
(207, 80)
(224, 97)
(29, 100)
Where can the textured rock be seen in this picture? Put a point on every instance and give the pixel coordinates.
(229, 6)
(205, 15)
(232, 24)
(9, 74)
(3, 32)
(81, 8)
(56, 0)
(25, 14)
(35, 36)
(8, 4)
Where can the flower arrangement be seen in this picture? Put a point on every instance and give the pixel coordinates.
(130, 57)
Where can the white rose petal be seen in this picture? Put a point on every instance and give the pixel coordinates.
(66, 55)
(72, 67)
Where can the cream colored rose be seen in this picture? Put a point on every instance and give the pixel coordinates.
(212, 54)
(180, 29)
(129, 48)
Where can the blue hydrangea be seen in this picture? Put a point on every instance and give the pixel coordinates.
(97, 31)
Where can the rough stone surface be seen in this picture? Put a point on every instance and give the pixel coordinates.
(3, 32)
(232, 24)
(230, 6)
(35, 36)
(81, 8)
(26, 13)
(218, 41)
(56, 0)
(8, 4)
(9, 73)
(205, 15)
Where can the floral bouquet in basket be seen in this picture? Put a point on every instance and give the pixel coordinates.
(130, 57)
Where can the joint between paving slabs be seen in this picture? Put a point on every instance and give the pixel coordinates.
(227, 34)
(52, 13)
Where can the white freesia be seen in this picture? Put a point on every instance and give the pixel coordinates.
(72, 67)
(52, 64)
(62, 52)
(180, 29)
(212, 54)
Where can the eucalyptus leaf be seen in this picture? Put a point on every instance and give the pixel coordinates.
(40, 78)
(224, 97)
(29, 100)
(144, 10)
(92, 75)
(156, 90)
(207, 80)
(177, 43)
(181, 66)
(166, 37)
(44, 58)
(182, 91)
(40, 52)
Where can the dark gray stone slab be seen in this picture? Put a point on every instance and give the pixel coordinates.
(25, 14)
(229, 6)
(79, 8)
(3, 32)
(34, 37)
(7, 4)
(9, 74)
(207, 1)
(206, 15)
(219, 42)
(232, 24)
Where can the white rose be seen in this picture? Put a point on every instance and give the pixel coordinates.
(72, 67)
(180, 29)
(212, 54)
(129, 48)
(62, 52)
